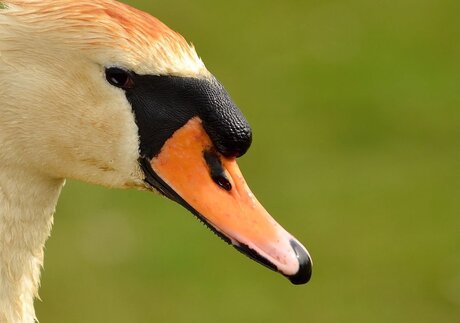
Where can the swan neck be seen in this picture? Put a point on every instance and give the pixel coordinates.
(27, 204)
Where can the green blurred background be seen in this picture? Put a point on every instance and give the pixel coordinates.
(355, 110)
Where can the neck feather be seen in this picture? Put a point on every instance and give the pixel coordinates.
(27, 205)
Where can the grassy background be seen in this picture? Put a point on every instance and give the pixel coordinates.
(355, 109)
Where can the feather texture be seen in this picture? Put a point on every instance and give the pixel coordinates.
(60, 118)
(102, 25)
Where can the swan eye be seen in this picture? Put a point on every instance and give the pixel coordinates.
(119, 78)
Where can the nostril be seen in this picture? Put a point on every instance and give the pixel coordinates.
(223, 182)
(303, 275)
(216, 170)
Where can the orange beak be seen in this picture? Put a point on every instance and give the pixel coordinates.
(190, 171)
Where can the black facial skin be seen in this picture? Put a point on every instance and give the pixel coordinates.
(163, 104)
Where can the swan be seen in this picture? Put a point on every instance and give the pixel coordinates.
(100, 92)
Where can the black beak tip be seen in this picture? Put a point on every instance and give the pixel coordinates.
(303, 275)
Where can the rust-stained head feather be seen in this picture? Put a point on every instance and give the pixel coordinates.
(111, 30)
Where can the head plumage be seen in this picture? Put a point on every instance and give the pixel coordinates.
(147, 43)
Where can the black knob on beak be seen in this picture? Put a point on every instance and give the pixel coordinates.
(223, 121)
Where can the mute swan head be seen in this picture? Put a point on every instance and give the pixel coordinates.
(103, 93)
